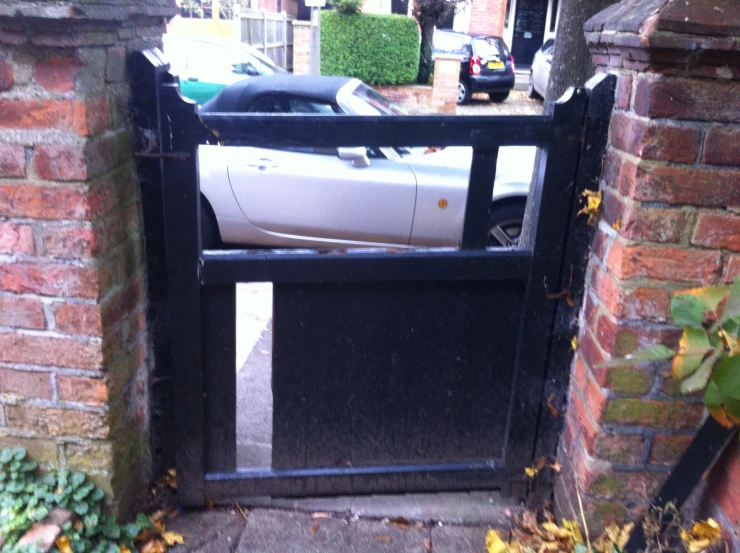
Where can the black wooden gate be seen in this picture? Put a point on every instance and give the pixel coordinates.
(416, 370)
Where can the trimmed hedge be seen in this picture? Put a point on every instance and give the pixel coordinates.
(377, 49)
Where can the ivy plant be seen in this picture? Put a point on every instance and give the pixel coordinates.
(708, 355)
(27, 496)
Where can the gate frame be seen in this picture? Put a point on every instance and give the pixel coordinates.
(202, 284)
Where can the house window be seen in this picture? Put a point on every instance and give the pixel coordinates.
(554, 16)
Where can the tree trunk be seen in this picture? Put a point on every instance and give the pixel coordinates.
(426, 64)
(571, 64)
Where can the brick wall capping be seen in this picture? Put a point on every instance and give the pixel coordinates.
(297, 23)
(81, 10)
(721, 18)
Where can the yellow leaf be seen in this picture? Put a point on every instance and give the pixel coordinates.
(572, 525)
(693, 347)
(123, 549)
(574, 343)
(531, 471)
(170, 479)
(617, 225)
(592, 207)
(730, 342)
(494, 543)
(62, 543)
(154, 546)
(172, 538)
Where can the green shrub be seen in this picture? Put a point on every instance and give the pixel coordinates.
(348, 7)
(377, 49)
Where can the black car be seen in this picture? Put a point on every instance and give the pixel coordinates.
(486, 65)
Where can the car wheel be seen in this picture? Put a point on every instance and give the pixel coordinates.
(505, 224)
(463, 93)
(210, 238)
(498, 97)
(531, 92)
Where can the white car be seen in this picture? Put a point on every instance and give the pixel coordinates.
(344, 197)
(539, 75)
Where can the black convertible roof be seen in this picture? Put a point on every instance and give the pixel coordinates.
(236, 97)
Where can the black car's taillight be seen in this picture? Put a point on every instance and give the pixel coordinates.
(474, 65)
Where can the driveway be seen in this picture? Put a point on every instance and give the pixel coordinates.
(516, 104)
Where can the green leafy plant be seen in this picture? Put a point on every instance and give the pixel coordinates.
(347, 7)
(708, 356)
(27, 496)
(377, 49)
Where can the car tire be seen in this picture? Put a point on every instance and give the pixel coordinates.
(498, 97)
(463, 92)
(210, 237)
(505, 222)
(531, 92)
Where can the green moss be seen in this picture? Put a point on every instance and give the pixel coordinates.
(665, 414)
(624, 380)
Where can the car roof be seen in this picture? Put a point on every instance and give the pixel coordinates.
(466, 35)
(234, 97)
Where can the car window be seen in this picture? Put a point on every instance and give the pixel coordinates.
(205, 57)
(299, 105)
(487, 48)
(547, 47)
(448, 43)
(267, 104)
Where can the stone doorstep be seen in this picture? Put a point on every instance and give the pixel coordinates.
(46, 531)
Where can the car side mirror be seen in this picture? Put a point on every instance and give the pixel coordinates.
(358, 156)
(252, 70)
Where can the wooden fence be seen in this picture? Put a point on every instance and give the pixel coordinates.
(271, 33)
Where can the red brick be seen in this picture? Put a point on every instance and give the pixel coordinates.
(44, 202)
(650, 304)
(49, 280)
(618, 448)
(57, 74)
(47, 351)
(690, 99)
(643, 224)
(97, 116)
(57, 422)
(623, 94)
(721, 146)
(16, 238)
(78, 318)
(650, 140)
(667, 450)
(595, 399)
(726, 496)
(733, 268)
(718, 230)
(60, 162)
(659, 263)
(12, 161)
(580, 373)
(63, 115)
(21, 313)
(6, 76)
(123, 303)
(598, 246)
(619, 339)
(577, 413)
(678, 185)
(69, 242)
(676, 415)
(80, 389)
(25, 383)
(589, 349)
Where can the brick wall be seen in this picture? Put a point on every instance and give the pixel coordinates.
(74, 370)
(487, 17)
(441, 97)
(671, 188)
(301, 47)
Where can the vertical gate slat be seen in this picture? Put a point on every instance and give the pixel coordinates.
(480, 192)
(219, 360)
(548, 209)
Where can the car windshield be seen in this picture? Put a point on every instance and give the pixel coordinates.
(264, 64)
(487, 48)
(365, 101)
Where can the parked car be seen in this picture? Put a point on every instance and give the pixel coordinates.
(344, 197)
(540, 73)
(206, 65)
(486, 65)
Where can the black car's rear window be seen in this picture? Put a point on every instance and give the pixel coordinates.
(489, 47)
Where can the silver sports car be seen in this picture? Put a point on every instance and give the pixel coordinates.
(344, 197)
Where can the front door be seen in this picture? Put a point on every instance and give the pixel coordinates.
(529, 30)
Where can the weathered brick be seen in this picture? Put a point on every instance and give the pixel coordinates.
(69, 242)
(689, 99)
(115, 64)
(661, 263)
(57, 422)
(733, 268)
(577, 413)
(123, 303)
(81, 389)
(642, 224)
(12, 161)
(679, 185)
(6, 76)
(623, 94)
(598, 246)
(63, 115)
(652, 413)
(721, 146)
(45, 350)
(49, 280)
(60, 162)
(78, 318)
(594, 398)
(620, 339)
(717, 230)
(624, 380)
(623, 449)
(655, 141)
(89, 456)
(28, 384)
(16, 238)
(590, 350)
(21, 313)
(44, 202)
(57, 74)
(667, 450)
(639, 304)
(41, 450)
(624, 485)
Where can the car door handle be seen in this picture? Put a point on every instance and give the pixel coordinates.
(262, 164)
(193, 79)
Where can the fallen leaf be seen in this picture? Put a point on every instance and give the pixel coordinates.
(123, 549)
(170, 479)
(62, 543)
(428, 544)
(617, 225)
(531, 471)
(703, 534)
(209, 503)
(553, 410)
(78, 525)
(564, 294)
(319, 515)
(172, 538)
(400, 522)
(541, 463)
(419, 526)
(556, 467)
(574, 343)
(314, 529)
(154, 546)
(592, 207)
(384, 539)
(494, 543)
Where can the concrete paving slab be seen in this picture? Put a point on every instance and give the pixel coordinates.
(336, 505)
(374, 536)
(208, 531)
(458, 539)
